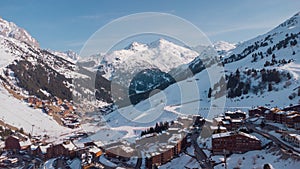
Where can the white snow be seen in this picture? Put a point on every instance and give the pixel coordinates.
(17, 113)
(253, 159)
(106, 162)
(183, 161)
(223, 46)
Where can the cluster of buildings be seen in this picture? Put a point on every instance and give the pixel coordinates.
(292, 138)
(161, 148)
(226, 136)
(88, 152)
(288, 117)
(230, 120)
(153, 149)
(156, 149)
(62, 110)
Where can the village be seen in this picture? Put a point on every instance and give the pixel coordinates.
(232, 132)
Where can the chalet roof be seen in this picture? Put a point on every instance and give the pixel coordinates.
(216, 127)
(236, 120)
(293, 116)
(235, 112)
(219, 135)
(33, 147)
(297, 136)
(227, 134)
(226, 122)
(218, 119)
(94, 149)
(248, 135)
(69, 146)
(44, 148)
(25, 143)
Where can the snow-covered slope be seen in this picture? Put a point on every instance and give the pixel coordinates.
(28, 69)
(10, 29)
(18, 114)
(222, 47)
(191, 96)
(68, 55)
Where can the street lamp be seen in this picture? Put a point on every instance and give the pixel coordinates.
(32, 129)
(225, 160)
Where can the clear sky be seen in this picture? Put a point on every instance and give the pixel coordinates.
(63, 24)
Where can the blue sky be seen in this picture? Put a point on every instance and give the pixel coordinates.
(63, 25)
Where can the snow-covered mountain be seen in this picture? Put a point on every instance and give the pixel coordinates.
(222, 47)
(10, 29)
(29, 70)
(141, 68)
(160, 54)
(68, 55)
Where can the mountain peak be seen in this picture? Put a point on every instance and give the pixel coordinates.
(136, 46)
(160, 43)
(11, 30)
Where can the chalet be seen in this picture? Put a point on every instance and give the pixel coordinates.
(292, 108)
(35, 150)
(236, 114)
(218, 129)
(292, 119)
(12, 143)
(70, 147)
(269, 115)
(44, 148)
(218, 120)
(35, 102)
(55, 151)
(228, 122)
(292, 138)
(234, 142)
(95, 151)
(258, 111)
(57, 101)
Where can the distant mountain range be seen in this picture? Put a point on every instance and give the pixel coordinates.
(139, 69)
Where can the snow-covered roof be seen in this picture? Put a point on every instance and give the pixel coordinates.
(219, 135)
(226, 122)
(94, 149)
(293, 116)
(44, 148)
(69, 146)
(218, 119)
(248, 135)
(297, 136)
(236, 120)
(33, 147)
(227, 134)
(234, 112)
(216, 127)
(25, 143)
